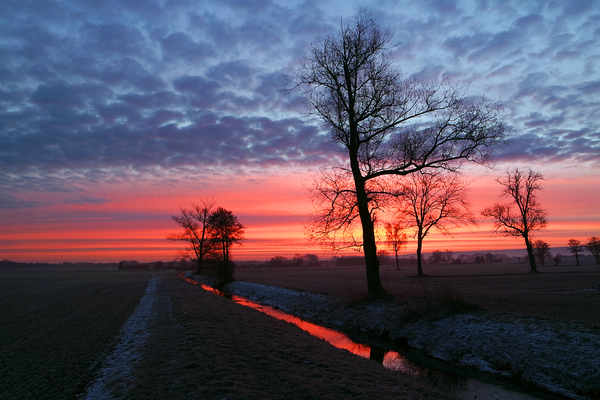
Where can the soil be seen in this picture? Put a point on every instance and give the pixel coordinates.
(56, 326)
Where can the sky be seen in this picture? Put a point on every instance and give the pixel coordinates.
(114, 114)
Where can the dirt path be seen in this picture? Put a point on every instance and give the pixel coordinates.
(205, 346)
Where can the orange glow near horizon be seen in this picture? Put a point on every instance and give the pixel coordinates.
(133, 225)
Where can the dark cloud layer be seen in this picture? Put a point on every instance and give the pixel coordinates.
(124, 86)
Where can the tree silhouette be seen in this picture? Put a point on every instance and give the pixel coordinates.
(396, 238)
(433, 201)
(226, 230)
(575, 247)
(524, 213)
(593, 246)
(196, 231)
(541, 250)
(557, 258)
(386, 125)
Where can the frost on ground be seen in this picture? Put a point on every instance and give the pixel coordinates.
(116, 371)
(563, 358)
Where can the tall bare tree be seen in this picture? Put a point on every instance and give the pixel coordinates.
(386, 126)
(227, 230)
(593, 246)
(196, 230)
(575, 247)
(396, 238)
(433, 201)
(524, 213)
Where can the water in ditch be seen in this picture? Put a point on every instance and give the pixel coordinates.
(463, 386)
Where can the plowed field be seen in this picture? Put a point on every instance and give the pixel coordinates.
(56, 326)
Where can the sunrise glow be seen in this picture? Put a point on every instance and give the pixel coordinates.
(124, 115)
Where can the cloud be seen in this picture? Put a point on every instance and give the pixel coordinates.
(179, 46)
(87, 200)
(113, 39)
(531, 21)
(10, 202)
(589, 88)
(88, 87)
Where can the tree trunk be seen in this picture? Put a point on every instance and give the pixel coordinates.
(419, 256)
(577, 259)
(533, 268)
(371, 261)
(397, 262)
(374, 286)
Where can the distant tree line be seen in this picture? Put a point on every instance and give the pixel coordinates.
(297, 260)
(175, 264)
(15, 264)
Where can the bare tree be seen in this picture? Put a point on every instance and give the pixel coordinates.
(575, 247)
(227, 230)
(524, 213)
(336, 222)
(386, 126)
(196, 230)
(557, 258)
(541, 250)
(396, 238)
(593, 246)
(436, 257)
(310, 259)
(448, 256)
(433, 201)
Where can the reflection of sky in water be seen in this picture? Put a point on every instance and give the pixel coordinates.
(391, 359)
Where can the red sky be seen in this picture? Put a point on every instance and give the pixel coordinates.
(133, 225)
(112, 116)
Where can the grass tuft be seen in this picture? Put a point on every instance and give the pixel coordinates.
(437, 302)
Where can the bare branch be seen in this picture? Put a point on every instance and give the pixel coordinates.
(389, 126)
(524, 213)
(433, 201)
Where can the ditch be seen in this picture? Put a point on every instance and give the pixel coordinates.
(464, 383)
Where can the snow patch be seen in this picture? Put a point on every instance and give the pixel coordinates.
(118, 365)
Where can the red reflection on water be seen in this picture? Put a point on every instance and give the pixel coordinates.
(337, 339)
(390, 359)
(181, 276)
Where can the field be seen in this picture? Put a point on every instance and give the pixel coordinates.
(57, 326)
(564, 293)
